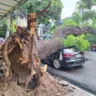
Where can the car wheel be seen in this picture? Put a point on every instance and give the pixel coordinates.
(56, 64)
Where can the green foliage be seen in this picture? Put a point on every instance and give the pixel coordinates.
(12, 28)
(78, 41)
(3, 27)
(2, 34)
(54, 11)
(53, 29)
(82, 4)
(85, 12)
(69, 22)
(91, 38)
(77, 18)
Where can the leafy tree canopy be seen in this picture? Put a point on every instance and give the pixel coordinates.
(12, 29)
(54, 11)
(85, 14)
(3, 27)
(79, 41)
(91, 38)
(69, 22)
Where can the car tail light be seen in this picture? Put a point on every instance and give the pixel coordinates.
(82, 53)
(67, 55)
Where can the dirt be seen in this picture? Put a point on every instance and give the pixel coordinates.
(48, 87)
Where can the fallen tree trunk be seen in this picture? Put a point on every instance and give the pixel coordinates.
(47, 47)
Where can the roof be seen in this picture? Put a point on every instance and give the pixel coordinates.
(8, 6)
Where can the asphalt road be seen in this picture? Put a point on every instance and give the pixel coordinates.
(84, 77)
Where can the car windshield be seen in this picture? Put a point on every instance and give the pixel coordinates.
(70, 50)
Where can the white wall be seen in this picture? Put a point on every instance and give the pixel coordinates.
(21, 21)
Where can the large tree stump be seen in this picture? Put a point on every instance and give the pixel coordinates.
(20, 53)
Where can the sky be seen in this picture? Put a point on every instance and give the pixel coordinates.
(69, 8)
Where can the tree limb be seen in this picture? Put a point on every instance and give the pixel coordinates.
(44, 10)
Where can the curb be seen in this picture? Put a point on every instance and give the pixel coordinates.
(74, 90)
(79, 92)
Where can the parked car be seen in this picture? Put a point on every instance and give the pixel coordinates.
(66, 57)
(93, 47)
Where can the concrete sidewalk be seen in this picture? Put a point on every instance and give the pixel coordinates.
(73, 90)
(79, 92)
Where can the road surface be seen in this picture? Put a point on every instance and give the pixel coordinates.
(84, 76)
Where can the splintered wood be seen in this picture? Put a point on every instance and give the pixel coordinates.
(20, 53)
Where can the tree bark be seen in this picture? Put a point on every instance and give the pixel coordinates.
(47, 47)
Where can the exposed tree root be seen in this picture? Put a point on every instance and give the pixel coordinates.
(5, 57)
(20, 53)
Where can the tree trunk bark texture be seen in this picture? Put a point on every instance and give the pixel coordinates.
(47, 47)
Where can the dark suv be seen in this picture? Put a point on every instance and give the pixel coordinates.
(66, 57)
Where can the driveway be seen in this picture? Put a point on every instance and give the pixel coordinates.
(84, 76)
